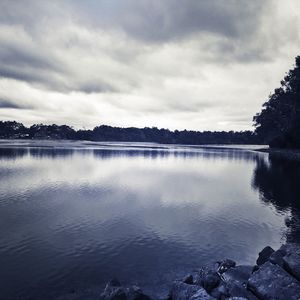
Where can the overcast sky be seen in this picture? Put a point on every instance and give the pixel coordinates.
(194, 64)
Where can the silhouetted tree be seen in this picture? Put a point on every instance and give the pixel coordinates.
(279, 121)
(51, 132)
(12, 129)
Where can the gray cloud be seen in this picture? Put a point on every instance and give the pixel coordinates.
(6, 103)
(170, 19)
(36, 64)
(26, 56)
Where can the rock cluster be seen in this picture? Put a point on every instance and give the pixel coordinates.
(115, 291)
(276, 276)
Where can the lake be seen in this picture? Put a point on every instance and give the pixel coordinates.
(75, 214)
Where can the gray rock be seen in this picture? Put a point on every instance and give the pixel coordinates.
(277, 257)
(114, 291)
(264, 255)
(207, 279)
(236, 280)
(292, 264)
(238, 275)
(225, 265)
(236, 290)
(290, 248)
(201, 295)
(183, 291)
(220, 291)
(272, 282)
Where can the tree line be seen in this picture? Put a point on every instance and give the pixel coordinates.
(13, 129)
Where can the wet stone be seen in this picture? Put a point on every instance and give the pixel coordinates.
(264, 255)
(236, 280)
(277, 257)
(239, 275)
(226, 265)
(292, 264)
(183, 291)
(208, 279)
(236, 290)
(290, 248)
(220, 291)
(114, 291)
(272, 282)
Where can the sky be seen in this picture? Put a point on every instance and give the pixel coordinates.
(190, 64)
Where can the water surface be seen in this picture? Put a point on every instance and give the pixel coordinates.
(73, 215)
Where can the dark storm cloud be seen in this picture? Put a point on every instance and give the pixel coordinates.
(17, 54)
(25, 58)
(7, 103)
(6, 72)
(45, 79)
(160, 21)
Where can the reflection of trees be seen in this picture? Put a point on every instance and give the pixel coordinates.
(278, 183)
(50, 152)
(12, 153)
(113, 152)
(229, 154)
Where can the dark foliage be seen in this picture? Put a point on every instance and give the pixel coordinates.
(278, 124)
(16, 130)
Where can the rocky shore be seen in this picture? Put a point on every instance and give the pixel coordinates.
(276, 275)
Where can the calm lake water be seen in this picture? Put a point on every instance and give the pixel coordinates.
(73, 215)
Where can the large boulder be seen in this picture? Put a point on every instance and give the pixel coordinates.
(277, 257)
(225, 265)
(292, 264)
(115, 291)
(236, 280)
(221, 291)
(207, 278)
(264, 255)
(236, 290)
(290, 248)
(238, 275)
(272, 282)
(183, 291)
